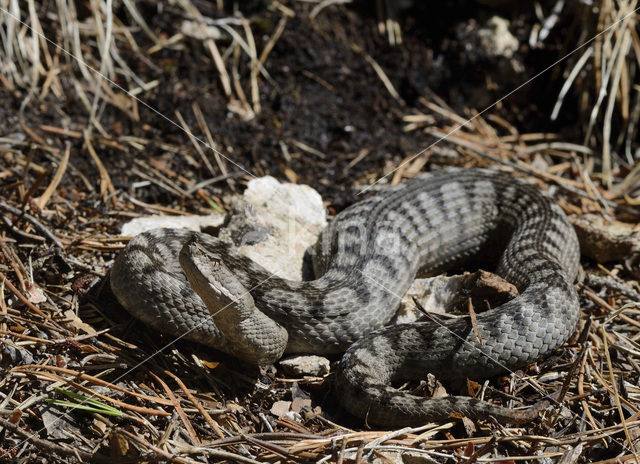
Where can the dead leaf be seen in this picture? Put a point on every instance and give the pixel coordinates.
(15, 416)
(118, 445)
(473, 388)
(36, 295)
(571, 455)
(469, 426)
(76, 322)
(233, 407)
(210, 364)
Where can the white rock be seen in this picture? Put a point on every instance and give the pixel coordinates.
(311, 365)
(275, 224)
(497, 39)
(142, 224)
(491, 41)
(438, 294)
(293, 200)
(196, 30)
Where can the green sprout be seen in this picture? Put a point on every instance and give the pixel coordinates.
(85, 403)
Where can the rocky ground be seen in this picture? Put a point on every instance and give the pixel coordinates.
(115, 110)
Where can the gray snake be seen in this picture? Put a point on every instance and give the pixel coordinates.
(366, 259)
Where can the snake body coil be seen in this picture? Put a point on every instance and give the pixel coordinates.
(366, 260)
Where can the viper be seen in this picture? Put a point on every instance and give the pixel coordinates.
(188, 284)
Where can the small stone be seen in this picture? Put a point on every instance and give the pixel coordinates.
(605, 241)
(298, 403)
(436, 295)
(497, 39)
(450, 295)
(275, 223)
(281, 408)
(311, 365)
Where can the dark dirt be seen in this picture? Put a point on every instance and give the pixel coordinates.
(321, 93)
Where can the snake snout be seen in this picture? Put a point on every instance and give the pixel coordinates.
(256, 338)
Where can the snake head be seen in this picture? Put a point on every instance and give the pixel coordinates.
(256, 338)
(212, 279)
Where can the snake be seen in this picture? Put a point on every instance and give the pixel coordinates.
(193, 285)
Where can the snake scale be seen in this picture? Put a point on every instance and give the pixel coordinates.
(365, 260)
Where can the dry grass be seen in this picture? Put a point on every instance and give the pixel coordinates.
(603, 80)
(88, 53)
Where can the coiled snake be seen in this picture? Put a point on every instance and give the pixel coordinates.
(366, 260)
